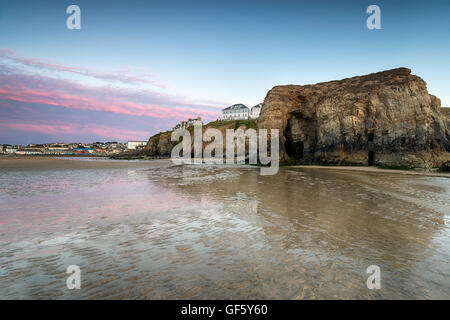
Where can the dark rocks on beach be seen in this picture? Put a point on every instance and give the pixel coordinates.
(445, 167)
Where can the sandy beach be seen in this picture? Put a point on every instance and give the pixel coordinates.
(148, 229)
(57, 163)
(379, 170)
(8, 163)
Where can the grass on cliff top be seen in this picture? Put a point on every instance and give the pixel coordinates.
(160, 133)
(445, 111)
(250, 124)
(217, 124)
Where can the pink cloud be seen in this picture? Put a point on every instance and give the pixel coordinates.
(21, 86)
(61, 129)
(55, 98)
(33, 88)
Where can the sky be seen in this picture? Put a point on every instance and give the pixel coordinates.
(136, 68)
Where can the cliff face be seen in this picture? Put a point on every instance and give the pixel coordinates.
(446, 114)
(160, 144)
(385, 118)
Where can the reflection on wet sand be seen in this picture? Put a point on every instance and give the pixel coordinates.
(162, 231)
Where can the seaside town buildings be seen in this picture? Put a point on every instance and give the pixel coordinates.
(59, 149)
(10, 149)
(96, 149)
(241, 112)
(255, 111)
(132, 145)
(187, 123)
(236, 112)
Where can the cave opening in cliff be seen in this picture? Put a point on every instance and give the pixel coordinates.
(371, 158)
(300, 133)
(295, 149)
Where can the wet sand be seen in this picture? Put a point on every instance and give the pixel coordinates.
(62, 163)
(152, 230)
(418, 172)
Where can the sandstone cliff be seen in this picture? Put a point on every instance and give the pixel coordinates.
(385, 118)
(446, 114)
(160, 145)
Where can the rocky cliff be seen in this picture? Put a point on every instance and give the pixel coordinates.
(160, 144)
(446, 114)
(385, 118)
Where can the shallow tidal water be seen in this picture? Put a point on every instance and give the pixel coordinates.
(160, 231)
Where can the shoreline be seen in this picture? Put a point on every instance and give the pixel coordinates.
(83, 162)
(13, 163)
(376, 170)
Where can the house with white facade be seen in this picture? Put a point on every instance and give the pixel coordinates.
(187, 123)
(241, 112)
(192, 121)
(236, 112)
(255, 111)
(10, 149)
(132, 145)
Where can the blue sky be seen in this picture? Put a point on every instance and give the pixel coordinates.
(139, 67)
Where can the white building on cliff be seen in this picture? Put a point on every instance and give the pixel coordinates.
(236, 112)
(132, 145)
(255, 111)
(187, 123)
(241, 112)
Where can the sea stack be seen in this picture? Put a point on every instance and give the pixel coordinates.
(385, 118)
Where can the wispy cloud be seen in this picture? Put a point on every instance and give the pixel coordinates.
(67, 130)
(35, 82)
(143, 78)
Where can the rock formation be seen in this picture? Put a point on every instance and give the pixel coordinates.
(446, 114)
(385, 118)
(160, 144)
(445, 167)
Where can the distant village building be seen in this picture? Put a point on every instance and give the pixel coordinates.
(97, 148)
(236, 112)
(185, 124)
(254, 114)
(132, 145)
(31, 150)
(10, 149)
(58, 149)
(83, 150)
(108, 148)
(192, 121)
